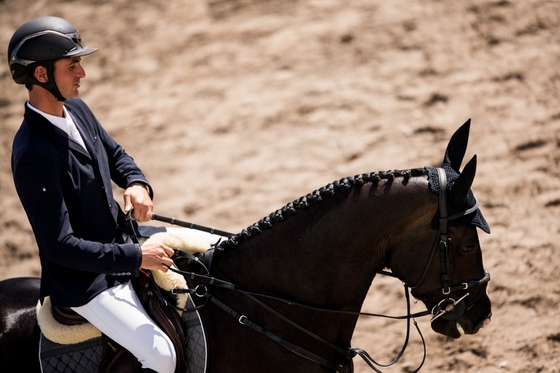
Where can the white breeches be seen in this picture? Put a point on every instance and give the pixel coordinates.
(117, 313)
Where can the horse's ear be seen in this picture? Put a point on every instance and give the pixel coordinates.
(463, 183)
(457, 147)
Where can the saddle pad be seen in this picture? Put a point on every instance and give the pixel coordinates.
(83, 357)
(195, 348)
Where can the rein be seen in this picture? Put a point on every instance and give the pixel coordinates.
(348, 353)
(448, 308)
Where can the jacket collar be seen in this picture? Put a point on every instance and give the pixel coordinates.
(52, 132)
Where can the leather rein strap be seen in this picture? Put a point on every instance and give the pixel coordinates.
(244, 320)
(348, 353)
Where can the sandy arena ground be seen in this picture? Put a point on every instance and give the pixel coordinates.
(235, 107)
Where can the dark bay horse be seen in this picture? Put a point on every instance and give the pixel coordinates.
(286, 292)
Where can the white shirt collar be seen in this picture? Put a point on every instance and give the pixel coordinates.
(59, 122)
(63, 123)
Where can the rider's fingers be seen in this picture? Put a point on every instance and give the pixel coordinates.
(169, 251)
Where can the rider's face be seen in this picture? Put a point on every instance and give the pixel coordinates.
(67, 75)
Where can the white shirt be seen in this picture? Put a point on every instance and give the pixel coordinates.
(65, 123)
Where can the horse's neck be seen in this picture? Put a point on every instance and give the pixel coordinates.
(327, 256)
(335, 245)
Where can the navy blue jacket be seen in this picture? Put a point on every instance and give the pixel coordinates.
(68, 197)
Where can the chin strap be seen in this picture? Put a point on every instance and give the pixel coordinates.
(50, 85)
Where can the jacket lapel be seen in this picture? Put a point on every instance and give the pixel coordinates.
(54, 133)
(87, 140)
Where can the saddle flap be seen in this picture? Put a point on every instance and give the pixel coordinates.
(164, 316)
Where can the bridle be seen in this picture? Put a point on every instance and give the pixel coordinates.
(448, 308)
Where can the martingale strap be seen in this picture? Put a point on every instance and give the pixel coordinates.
(244, 320)
(348, 353)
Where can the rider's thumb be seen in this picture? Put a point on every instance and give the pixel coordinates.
(127, 204)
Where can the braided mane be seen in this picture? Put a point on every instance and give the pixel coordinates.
(304, 202)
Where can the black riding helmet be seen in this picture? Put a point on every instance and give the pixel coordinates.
(40, 42)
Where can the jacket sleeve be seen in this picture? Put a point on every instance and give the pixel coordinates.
(38, 182)
(121, 166)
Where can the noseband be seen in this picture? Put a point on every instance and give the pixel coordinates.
(448, 308)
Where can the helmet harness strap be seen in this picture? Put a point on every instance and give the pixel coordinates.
(50, 85)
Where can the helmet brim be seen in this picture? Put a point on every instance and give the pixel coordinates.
(80, 52)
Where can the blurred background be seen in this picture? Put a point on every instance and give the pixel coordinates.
(234, 108)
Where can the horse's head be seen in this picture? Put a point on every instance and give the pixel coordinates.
(451, 280)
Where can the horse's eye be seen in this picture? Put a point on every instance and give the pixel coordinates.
(468, 249)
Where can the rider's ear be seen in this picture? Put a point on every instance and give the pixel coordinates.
(463, 183)
(457, 147)
(40, 74)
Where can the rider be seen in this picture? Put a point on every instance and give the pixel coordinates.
(63, 162)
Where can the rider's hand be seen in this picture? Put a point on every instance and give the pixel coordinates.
(136, 197)
(156, 256)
